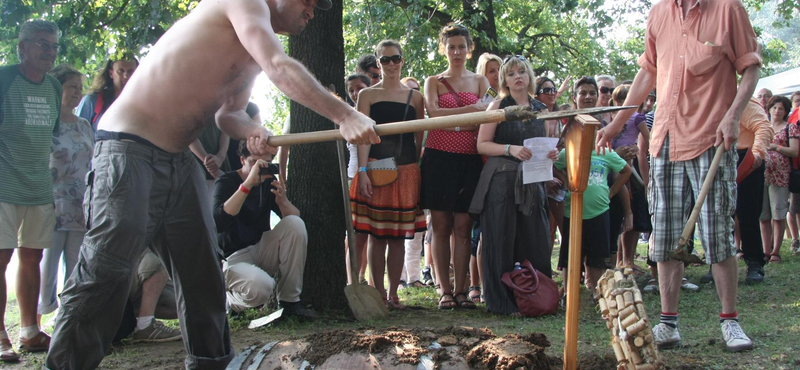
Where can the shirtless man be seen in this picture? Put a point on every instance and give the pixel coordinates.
(147, 189)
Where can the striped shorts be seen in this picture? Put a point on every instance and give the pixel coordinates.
(672, 188)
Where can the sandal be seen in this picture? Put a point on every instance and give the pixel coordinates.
(394, 304)
(464, 303)
(477, 298)
(7, 353)
(447, 303)
(416, 284)
(774, 258)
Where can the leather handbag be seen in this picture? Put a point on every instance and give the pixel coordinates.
(535, 293)
(383, 172)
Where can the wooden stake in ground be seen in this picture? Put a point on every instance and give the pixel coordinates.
(365, 301)
(579, 145)
(681, 253)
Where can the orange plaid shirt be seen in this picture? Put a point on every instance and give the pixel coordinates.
(695, 61)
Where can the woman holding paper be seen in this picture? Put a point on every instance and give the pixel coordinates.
(514, 216)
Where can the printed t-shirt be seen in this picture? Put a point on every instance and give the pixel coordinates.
(28, 117)
(595, 198)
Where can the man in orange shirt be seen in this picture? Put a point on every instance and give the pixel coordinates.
(693, 50)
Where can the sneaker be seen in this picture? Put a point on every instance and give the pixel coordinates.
(297, 310)
(427, 279)
(651, 287)
(156, 332)
(39, 343)
(707, 278)
(688, 286)
(755, 274)
(735, 339)
(666, 336)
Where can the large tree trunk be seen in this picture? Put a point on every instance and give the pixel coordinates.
(486, 26)
(314, 185)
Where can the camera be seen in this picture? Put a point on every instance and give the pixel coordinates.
(270, 170)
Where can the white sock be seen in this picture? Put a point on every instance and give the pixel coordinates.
(29, 332)
(143, 322)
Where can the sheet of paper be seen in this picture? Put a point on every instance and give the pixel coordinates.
(539, 168)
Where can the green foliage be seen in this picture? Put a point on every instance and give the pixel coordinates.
(92, 31)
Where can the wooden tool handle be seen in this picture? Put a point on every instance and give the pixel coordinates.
(698, 204)
(416, 125)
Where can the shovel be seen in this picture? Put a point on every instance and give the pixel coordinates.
(681, 253)
(513, 113)
(365, 301)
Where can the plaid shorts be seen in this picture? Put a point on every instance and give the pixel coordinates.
(673, 186)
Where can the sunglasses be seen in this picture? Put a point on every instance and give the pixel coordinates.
(508, 58)
(396, 59)
(606, 90)
(373, 75)
(547, 90)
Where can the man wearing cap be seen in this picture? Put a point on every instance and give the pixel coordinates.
(693, 51)
(146, 188)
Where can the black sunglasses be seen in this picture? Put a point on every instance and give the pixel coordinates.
(520, 57)
(606, 90)
(547, 90)
(396, 59)
(374, 75)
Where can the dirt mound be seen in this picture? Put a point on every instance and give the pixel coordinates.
(408, 349)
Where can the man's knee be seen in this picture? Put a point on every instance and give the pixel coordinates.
(28, 256)
(257, 292)
(294, 225)
(5, 257)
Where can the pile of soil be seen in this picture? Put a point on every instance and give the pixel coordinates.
(411, 349)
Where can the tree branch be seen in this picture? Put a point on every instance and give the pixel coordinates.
(119, 12)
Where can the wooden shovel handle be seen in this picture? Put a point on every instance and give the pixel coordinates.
(698, 204)
(468, 119)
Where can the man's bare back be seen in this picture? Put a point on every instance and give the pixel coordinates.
(201, 67)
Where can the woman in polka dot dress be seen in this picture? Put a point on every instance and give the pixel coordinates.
(451, 164)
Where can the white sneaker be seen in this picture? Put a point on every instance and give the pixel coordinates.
(687, 285)
(735, 339)
(666, 336)
(651, 287)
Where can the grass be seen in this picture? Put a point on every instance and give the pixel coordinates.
(770, 315)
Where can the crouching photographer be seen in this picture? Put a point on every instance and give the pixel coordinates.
(243, 200)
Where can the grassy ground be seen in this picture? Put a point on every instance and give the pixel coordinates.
(770, 315)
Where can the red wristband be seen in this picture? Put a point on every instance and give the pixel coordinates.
(243, 189)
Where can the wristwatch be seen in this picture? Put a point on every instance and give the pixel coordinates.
(458, 128)
(507, 150)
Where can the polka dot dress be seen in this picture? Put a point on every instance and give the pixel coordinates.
(464, 142)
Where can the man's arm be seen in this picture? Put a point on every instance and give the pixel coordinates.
(728, 130)
(643, 83)
(251, 22)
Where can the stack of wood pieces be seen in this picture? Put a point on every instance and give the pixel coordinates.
(622, 307)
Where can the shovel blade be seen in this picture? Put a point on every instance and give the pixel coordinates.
(365, 302)
(682, 254)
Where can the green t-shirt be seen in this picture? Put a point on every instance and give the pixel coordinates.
(595, 198)
(28, 117)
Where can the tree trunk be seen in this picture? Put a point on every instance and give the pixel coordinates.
(485, 27)
(314, 185)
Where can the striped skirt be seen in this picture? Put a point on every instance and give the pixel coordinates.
(393, 211)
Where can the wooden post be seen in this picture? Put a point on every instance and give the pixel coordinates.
(580, 141)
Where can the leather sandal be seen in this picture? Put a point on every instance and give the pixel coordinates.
(7, 353)
(39, 343)
(394, 304)
(477, 298)
(447, 301)
(464, 303)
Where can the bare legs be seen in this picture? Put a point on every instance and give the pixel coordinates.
(378, 261)
(361, 253)
(445, 224)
